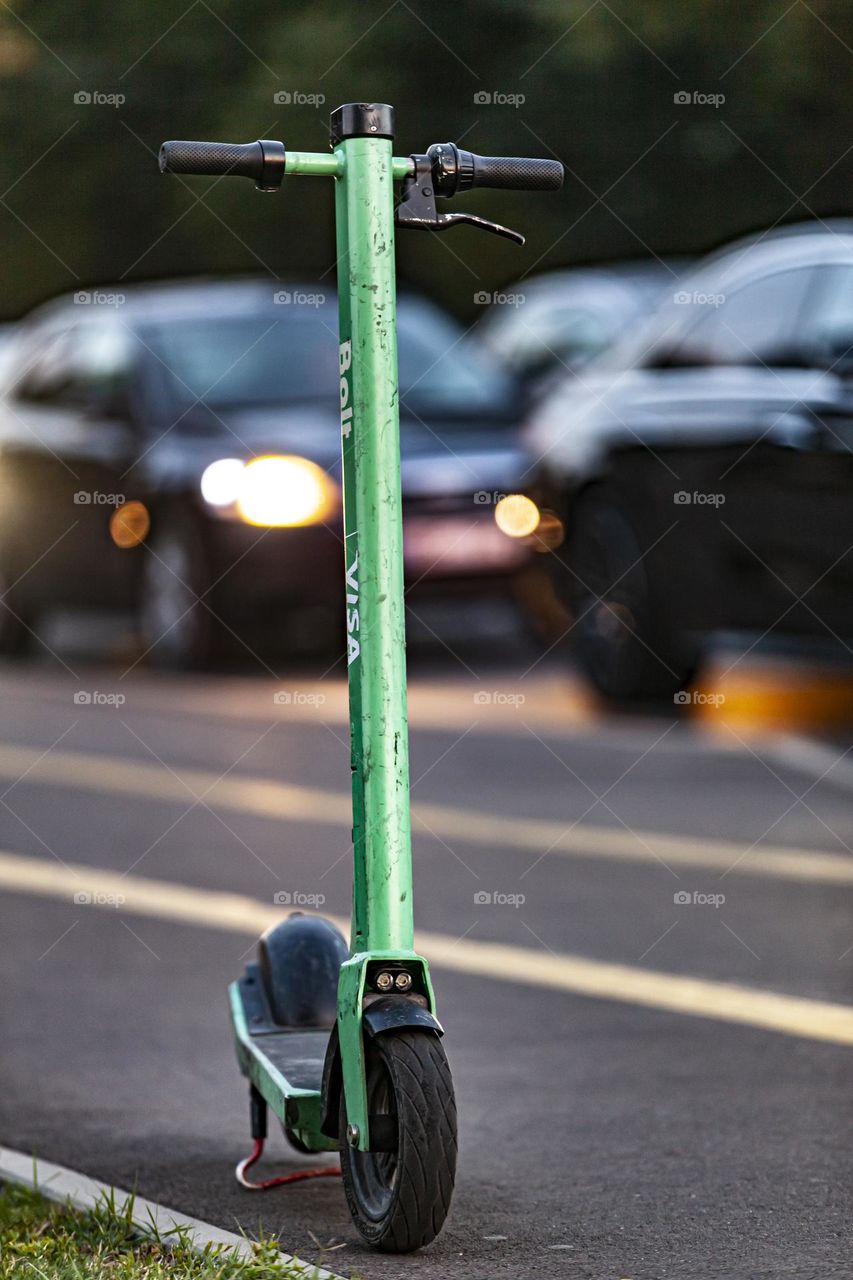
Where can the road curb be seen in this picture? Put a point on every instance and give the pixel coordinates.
(56, 1182)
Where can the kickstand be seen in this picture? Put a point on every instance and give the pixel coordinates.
(258, 1111)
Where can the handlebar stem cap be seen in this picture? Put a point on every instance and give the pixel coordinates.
(361, 120)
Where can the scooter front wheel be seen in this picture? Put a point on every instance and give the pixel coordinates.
(399, 1197)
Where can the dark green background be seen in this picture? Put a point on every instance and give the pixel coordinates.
(599, 94)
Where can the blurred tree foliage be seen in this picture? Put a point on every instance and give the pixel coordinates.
(83, 203)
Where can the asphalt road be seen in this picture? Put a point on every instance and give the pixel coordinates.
(600, 1137)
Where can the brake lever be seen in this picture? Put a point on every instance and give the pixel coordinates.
(446, 220)
(417, 208)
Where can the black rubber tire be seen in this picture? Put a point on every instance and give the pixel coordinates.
(297, 1143)
(399, 1200)
(623, 640)
(18, 618)
(17, 638)
(178, 632)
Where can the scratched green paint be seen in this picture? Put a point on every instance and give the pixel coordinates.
(382, 922)
(382, 909)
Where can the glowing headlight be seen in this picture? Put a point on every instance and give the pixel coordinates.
(281, 492)
(284, 492)
(516, 515)
(220, 483)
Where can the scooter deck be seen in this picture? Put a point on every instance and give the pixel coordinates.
(298, 1055)
(284, 1064)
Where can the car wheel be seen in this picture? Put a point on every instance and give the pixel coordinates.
(624, 641)
(15, 633)
(17, 619)
(176, 629)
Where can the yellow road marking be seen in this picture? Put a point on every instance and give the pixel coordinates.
(549, 703)
(213, 909)
(266, 798)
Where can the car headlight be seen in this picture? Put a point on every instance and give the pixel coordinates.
(220, 482)
(517, 515)
(270, 492)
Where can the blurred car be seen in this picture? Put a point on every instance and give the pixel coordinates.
(7, 334)
(563, 319)
(702, 469)
(209, 412)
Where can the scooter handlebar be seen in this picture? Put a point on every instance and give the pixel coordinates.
(262, 160)
(455, 171)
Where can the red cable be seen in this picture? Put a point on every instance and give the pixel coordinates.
(301, 1176)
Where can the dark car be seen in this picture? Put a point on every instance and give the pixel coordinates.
(703, 469)
(176, 449)
(563, 319)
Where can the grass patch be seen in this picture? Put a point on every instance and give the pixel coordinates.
(41, 1240)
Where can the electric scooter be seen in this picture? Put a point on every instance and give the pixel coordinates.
(342, 1042)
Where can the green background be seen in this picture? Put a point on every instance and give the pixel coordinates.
(83, 202)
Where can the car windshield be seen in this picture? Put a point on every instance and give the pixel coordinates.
(264, 358)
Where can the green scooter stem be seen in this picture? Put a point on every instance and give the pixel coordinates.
(382, 916)
(373, 540)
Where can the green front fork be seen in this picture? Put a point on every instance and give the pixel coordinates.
(382, 924)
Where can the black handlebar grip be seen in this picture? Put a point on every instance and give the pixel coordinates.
(263, 160)
(455, 170)
(517, 173)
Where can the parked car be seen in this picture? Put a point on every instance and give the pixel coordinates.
(563, 319)
(7, 334)
(703, 469)
(209, 412)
